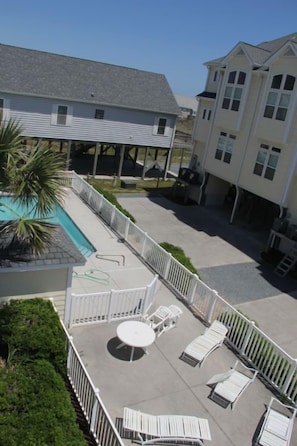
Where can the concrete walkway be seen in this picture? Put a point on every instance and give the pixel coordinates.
(228, 258)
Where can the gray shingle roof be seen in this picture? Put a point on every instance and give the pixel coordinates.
(39, 73)
(61, 251)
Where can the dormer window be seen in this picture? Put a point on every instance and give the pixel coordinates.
(233, 90)
(279, 97)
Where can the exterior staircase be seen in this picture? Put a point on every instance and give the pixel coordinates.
(287, 262)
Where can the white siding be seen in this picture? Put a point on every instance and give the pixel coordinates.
(119, 126)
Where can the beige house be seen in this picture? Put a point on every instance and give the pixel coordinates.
(245, 134)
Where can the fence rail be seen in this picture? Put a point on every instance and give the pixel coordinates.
(277, 367)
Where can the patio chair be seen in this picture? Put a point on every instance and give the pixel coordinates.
(277, 426)
(201, 347)
(156, 429)
(229, 386)
(163, 319)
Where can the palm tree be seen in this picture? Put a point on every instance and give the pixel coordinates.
(30, 175)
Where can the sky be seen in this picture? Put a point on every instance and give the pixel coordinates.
(172, 37)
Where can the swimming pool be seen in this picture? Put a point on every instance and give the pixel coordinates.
(58, 216)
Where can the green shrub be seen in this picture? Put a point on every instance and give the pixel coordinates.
(30, 329)
(112, 199)
(35, 407)
(180, 256)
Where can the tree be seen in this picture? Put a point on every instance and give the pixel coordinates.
(31, 176)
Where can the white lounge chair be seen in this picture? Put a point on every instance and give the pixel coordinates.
(163, 319)
(201, 347)
(276, 429)
(229, 386)
(156, 429)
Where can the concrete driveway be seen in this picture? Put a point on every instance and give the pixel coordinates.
(228, 258)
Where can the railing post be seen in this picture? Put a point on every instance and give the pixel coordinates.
(247, 337)
(70, 352)
(192, 289)
(211, 306)
(110, 305)
(127, 227)
(94, 410)
(113, 212)
(90, 191)
(290, 376)
(143, 244)
(167, 266)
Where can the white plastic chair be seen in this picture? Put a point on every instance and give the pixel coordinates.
(229, 386)
(157, 320)
(156, 429)
(163, 319)
(201, 347)
(277, 427)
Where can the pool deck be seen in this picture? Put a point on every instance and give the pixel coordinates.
(159, 382)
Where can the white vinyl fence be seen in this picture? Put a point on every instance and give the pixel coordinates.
(100, 424)
(277, 367)
(111, 305)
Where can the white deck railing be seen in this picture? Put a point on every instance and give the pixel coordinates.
(100, 424)
(277, 367)
(111, 305)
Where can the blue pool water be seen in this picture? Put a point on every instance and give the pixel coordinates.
(59, 216)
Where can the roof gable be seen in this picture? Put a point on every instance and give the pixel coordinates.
(38, 73)
(255, 56)
(288, 49)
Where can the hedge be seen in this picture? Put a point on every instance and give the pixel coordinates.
(35, 405)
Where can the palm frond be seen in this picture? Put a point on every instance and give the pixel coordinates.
(37, 180)
(30, 235)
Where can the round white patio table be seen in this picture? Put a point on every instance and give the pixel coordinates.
(135, 334)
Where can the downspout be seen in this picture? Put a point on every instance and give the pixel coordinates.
(238, 189)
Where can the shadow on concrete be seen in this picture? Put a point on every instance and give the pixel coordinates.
(239, 282)
(123, 353)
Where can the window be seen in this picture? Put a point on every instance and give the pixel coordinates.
(62, 115)
(206, 114)
(99, 114)
(161, 126)
(278, 98)
(233, 92)
(266, 162)
(215, 76)
(225, 147)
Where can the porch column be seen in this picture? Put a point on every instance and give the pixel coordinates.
(236, 203)
(144, 162)
(68, 154)
(96, 158)
(181, 158)
(135, 156)
(122, 154)
(167, 163)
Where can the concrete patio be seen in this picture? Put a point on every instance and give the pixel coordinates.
(159, 382)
